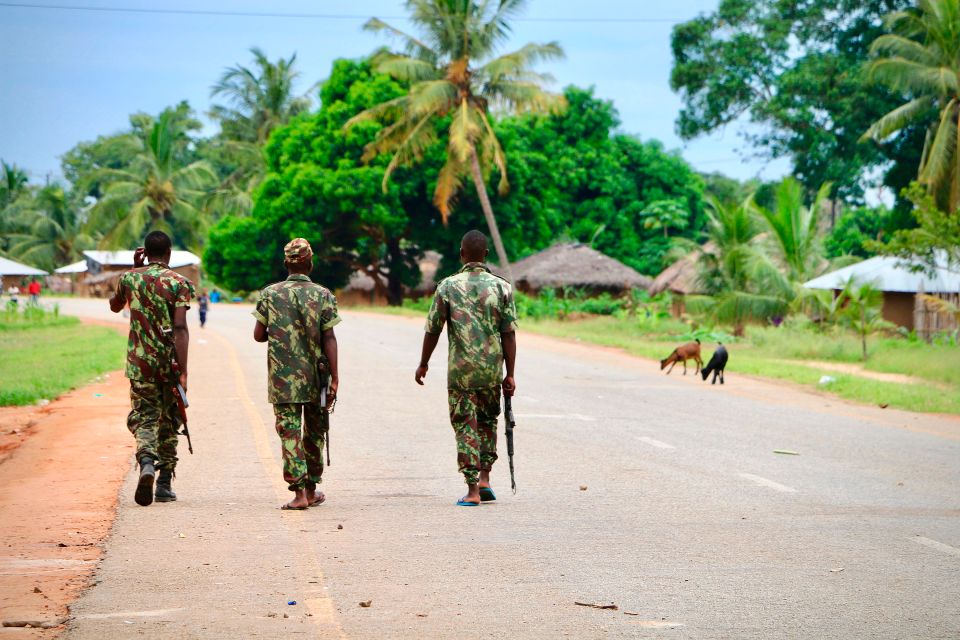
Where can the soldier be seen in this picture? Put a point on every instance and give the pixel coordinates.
(481, 319)
(158, 299)
(296, 318)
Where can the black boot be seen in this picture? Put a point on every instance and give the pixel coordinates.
(164, 492)
(144, 494)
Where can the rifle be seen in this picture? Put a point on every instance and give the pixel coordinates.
(510, 424)
(179, 393)
(324, 380)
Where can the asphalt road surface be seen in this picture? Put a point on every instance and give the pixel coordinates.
(660, 494)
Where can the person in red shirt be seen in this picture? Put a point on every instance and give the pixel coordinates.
(34, 290)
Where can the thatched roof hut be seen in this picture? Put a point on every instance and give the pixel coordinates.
(681, 277)
(578, 266)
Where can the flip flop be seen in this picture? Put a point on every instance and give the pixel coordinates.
(319, 499)
(287, 507)
(463, 503)
(487, 494)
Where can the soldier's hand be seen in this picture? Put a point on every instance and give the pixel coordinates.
(332, 391)
(421, 373)
(139, 257)
(509, 386)
(183, 381)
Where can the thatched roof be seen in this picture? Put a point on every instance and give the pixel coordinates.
(682, 276)
(575, 265)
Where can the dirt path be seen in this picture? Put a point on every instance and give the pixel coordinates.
(858, 370)
(59, 480)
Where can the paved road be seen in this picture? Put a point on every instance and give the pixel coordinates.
(689, 520)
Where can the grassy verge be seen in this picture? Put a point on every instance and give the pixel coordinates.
(763, 353)
(47, 355)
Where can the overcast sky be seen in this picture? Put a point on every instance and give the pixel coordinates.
(70, 75)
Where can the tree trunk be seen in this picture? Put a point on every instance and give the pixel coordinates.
(488, 214)
(863, 333)
(395, 273)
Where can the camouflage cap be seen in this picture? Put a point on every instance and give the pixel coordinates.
(297, 250)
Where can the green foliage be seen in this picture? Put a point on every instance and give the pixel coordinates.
(934, 241)
(43, 228)
(918, 60)
(795, 231)
(798, 70)
(861, 309)
(855, 228)
(33, 338)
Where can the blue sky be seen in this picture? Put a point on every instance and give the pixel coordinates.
(72, 75)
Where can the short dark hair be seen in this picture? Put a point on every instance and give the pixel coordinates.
(474, 244)
(157, 244)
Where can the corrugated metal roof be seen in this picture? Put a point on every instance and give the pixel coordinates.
(12, 268)
(125, 258)
(76, 267)
(892, 274)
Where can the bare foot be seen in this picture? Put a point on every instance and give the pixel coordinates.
(484, 480)
(473, 494)
(299, 501)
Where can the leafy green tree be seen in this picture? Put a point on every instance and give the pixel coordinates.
(855, 228)
(664, 215)
(154, 191)
(795, 230)
(47, 229)
(798, 71)
(934, 241)
(317, 186)
(454, 78)
(919, 59)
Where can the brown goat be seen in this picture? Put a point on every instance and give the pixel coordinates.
(684, 352)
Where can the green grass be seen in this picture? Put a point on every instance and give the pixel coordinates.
(763, 351)
(46, 356)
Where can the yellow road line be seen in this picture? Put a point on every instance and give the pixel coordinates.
(322, 609)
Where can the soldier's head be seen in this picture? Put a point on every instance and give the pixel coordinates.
(473, 247)
(298, 256)
(157, 246)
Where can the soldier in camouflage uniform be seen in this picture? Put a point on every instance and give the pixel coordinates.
(296, 319)
(480, 315)
(158, 299)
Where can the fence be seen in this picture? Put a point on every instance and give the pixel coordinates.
(930, 318)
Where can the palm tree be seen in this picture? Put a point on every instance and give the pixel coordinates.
(13, 183)
(920, 58)
(735, 270)
(455, 79)
(155, 191)
(794, 229)
(862, 310)
(259, 99)
(49, 231)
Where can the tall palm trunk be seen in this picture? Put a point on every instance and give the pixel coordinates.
(488, 214)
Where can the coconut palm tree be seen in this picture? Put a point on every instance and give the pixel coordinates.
(13, 183)
(735, 271)
(155, 191)
(259, 99)
(456, 76)
(921, 59)
(794, 230)
(49, 231)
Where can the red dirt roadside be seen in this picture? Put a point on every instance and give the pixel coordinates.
(60, 477)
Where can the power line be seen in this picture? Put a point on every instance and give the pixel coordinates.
(309, 16)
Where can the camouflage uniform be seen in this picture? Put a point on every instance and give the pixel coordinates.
(477, 307)
(153, 292)
(296, 312)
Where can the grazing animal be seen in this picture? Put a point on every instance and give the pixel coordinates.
(688, 351)
(718, 362)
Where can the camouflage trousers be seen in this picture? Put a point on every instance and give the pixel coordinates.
(473, 414)
(302, 442)
(153, 421)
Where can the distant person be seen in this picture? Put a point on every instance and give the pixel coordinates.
(203, 302)
(296, 319)
(481, 320)
(14, 292)
(34, 290)
(159, 299)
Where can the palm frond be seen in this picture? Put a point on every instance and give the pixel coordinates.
(449, 183)
(413, 46)
(898, 119)
(901, 74)
(406, 68)
(942, 155)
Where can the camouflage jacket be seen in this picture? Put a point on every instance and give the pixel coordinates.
(295, 312)
(477, 307)
(152, 292)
